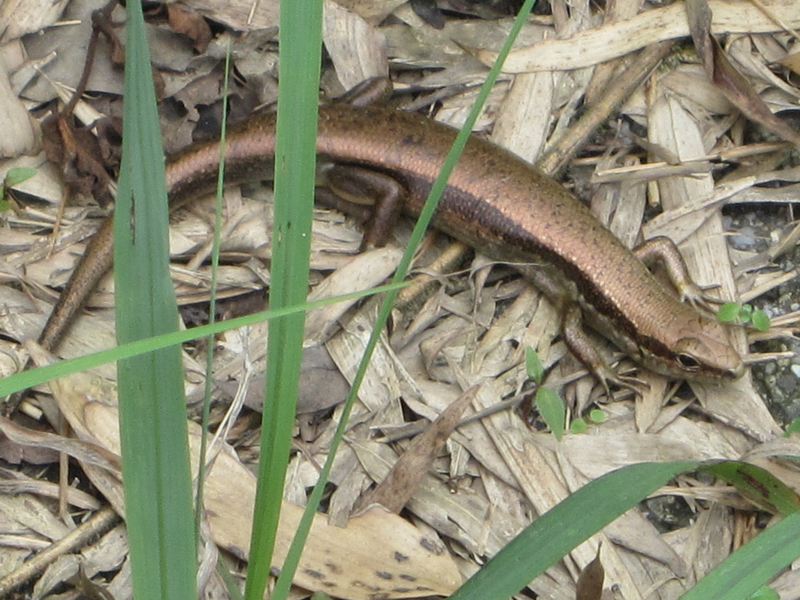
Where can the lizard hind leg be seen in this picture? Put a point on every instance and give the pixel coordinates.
(360, 185)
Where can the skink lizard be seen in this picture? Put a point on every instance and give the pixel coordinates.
(495, 202)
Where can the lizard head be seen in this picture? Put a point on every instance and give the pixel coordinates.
(703, 351)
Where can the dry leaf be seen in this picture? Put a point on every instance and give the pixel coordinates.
(19, 17)
(190, 23)
(20, 135)
(590, 582)
(728, 80)
(611, 41)
(792, 61)
(401, 482)
(377, 554)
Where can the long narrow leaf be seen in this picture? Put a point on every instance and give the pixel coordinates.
(33, 377)
(437, 189)
(751, 566)
(295, 164)
(153, 430)
(564, 526)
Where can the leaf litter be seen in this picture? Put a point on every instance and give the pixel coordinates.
(470, 496)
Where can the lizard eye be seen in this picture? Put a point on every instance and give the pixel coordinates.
(688, 362)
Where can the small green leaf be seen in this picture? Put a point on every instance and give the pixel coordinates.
(579, 425)
(533, 366)
(760, 320)
(765, 593)
(552, 410)
(17, 175)
(728, 312)
(597, 416)
(746, 313)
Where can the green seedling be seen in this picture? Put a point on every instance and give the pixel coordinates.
(730, 311)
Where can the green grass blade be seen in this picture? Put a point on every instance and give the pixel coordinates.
(751, 566)
(293, 555)
(153, 430)
(33, 377)
(212, 303)
(565, 526)
(295, 165)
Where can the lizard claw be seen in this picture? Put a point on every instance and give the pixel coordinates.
(609, 377)
(696, 296)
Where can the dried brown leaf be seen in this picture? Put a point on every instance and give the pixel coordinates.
(590, 581)
(404, 477)
(735, 87)
(83, 451)
(78, 154)
(480, 525)
(357, 48)
(19, 17)
(741, 94)
(240, 15)
(429, 12)
(699, 16)
(378, 553)
(189, 22)
(19, 134)
(792, 61)
(607, 42)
